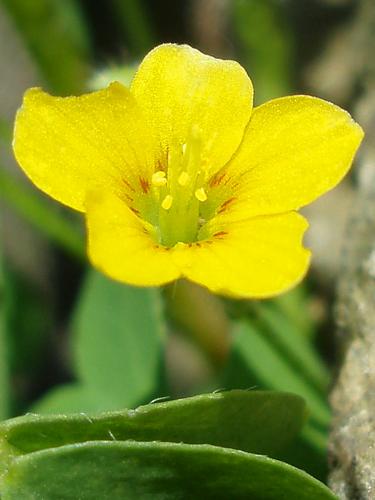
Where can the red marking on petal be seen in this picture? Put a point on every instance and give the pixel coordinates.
(145, 185)
(128, 185)
(225, 205)
(220, 234)
(217, 179)
(135, 210)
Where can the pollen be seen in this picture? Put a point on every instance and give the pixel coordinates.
(158, 179)
(167, 202)
(200, 194)
(183, 178)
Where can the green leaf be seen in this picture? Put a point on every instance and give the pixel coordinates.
(70, 397)
(131, 470)
(296, 307)
(256, 421)
(56, 36)
(263, 364)
(118, 335)
(294, 347)
(4, 354)
(117, 344)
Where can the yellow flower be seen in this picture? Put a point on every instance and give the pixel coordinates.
(179, 177)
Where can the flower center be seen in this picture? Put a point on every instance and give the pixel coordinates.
(178, 193)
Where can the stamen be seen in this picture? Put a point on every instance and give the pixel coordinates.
(200, 194)
(167, 202)
(158, 179)
(183, 178)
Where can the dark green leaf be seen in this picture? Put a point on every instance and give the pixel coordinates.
(260, 422)
(130, 470)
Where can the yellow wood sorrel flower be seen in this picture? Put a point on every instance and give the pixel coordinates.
(179, 177)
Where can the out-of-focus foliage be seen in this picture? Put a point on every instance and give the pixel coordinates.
(56, 35)
(118, 334)
(4, 357)
(265, 46)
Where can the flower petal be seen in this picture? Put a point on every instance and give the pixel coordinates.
(70, 145)
(120, 247)
(182, 90)
(256, 258)
(294, 149)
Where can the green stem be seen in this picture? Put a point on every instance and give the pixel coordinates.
(40, 214)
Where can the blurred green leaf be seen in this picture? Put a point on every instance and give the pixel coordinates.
(265, 45)
(122, 73)
(295, 305)
(262, 363)
(259, 422)
(56, 36)
(134, 470)
(6, 132)
(4, 351)
(117, 346)
(46, 217)
(69, 398)
(136, 25)
(292, 344)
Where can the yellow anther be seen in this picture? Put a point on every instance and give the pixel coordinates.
(200, 194)
(167, 202)
(158, 178)
(183, 178)
(184, 148)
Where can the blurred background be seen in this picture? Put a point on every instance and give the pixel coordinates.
(71, 340)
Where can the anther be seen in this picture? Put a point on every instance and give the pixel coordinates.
(200, 194)
(183, 178)
(167, 202)
(158, 178)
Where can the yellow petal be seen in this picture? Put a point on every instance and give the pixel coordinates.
(257, 258)
(120, 246)
(184, 92)
(294, 149)
(68, 146)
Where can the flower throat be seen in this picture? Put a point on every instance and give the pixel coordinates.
(178, 193)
